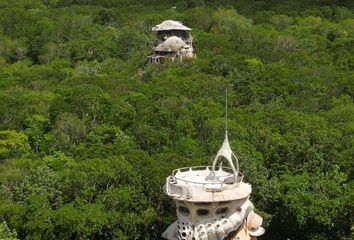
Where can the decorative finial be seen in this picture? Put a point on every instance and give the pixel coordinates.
(225, 152)
(226, 110)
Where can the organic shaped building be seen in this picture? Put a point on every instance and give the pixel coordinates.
(212, 201)
(174, 41)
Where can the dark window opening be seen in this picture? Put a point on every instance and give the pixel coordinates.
(183, 210)
(202, 212)
(222, 210)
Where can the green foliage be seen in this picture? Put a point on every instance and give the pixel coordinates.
(6, 233)
(13, 144)
(87, 137)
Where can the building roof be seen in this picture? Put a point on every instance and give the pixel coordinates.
(171, 44)
(209, 184)
(194, 185)
(170, 25)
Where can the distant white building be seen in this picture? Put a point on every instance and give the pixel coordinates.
(212, 201)
(174, 41)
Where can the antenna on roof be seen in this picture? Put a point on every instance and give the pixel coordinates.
(226, 109)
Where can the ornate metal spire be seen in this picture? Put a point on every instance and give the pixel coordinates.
(225, 150)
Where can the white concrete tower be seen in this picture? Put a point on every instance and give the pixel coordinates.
(212, 201)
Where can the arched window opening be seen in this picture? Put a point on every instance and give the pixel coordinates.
(183, 210)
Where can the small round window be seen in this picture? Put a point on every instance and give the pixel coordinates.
(202, 212)
(183, 210)
(222, 210)
(238, 209)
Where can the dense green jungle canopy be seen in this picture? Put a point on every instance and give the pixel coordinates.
(87, 137)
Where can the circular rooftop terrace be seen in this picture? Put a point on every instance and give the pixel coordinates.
(209, 183)
(202, 184)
